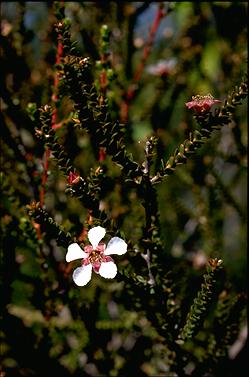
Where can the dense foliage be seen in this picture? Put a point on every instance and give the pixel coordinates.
(96, 132)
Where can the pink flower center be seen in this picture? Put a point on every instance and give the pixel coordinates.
(95, 256)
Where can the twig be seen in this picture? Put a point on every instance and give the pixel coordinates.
(54, 125)
(148, 206)
(129, 95)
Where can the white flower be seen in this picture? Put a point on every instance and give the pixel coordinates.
(95, 256)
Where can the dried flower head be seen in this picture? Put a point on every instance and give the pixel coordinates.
(95, 256)
(202, 104)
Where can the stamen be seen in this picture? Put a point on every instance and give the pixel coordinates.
(198, 98)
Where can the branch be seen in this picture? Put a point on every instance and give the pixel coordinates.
(94, 116)
(201, 303)
(80, 187)
(151, 240)
(208, 123)
(42, 217)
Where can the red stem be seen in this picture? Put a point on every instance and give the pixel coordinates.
(148, 46)
(138, 73)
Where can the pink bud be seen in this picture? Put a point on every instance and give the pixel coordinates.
(73, 178)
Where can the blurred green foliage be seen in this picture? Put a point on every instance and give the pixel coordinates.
(124, 327)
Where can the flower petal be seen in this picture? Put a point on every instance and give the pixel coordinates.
(75, 252)
(95, 235)
(108, 270)
(116, 246)
(82, 275)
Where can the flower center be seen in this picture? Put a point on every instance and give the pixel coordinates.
(95, 256)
